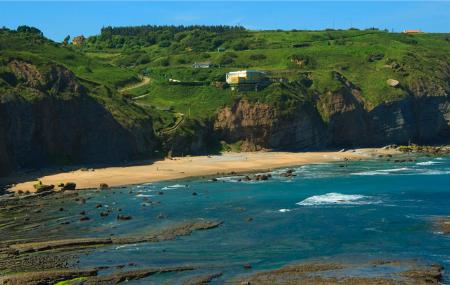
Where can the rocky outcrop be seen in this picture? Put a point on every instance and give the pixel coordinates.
(260, 126)
(58, 122)
(338, 119)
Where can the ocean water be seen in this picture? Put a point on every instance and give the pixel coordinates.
(369, 210)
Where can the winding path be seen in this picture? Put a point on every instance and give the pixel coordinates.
(145, 80)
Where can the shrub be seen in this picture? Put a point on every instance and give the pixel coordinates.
(375, 57)
(258, 56)
(241, 45)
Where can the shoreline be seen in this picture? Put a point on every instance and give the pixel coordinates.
(196, 166)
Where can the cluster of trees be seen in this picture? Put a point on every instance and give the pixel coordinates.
(176, 38)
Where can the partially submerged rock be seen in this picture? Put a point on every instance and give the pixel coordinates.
(119, 277)
(44, 277)
(338, 274)
(168, 233)
(202, 279)
(443, 225)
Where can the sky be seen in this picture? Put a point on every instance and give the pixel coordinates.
(58, 19)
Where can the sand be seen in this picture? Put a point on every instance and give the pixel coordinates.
(196, 166)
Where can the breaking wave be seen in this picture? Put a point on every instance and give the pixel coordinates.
(174, 186)
(336, 199)
(425, 163)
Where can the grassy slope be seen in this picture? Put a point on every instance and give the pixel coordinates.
(102, 79)
(421, 56)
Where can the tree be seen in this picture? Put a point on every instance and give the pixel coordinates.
(66, 40)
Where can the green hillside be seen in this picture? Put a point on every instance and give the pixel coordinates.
(309, 61)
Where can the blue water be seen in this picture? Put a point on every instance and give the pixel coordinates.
(367, 211)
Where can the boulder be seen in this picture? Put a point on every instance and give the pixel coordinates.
(69, 186)
(103, 186)
(393, 82)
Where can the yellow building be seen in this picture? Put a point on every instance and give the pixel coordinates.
(245, 77)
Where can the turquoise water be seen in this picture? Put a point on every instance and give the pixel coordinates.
(368, 210)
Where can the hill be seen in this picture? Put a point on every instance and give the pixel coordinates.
(332, 88)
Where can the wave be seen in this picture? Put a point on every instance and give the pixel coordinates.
(382, 171)
(284, 210)
(336, 198)
(144, 195)
(174, 186)
(425, 163)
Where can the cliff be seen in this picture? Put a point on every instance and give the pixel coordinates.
(338, 119)
(48, 117)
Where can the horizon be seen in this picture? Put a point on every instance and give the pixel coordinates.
(59, 19)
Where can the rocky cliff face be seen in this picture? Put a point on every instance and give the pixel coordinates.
(262, 126)
(59, 123)
(421, 119)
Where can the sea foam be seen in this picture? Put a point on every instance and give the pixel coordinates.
(174, 186)
(335, 198)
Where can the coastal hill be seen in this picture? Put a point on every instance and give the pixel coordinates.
(134, 93)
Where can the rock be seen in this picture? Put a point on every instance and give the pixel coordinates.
(104, 214)
(103, 186)
(393, 82)
(124, 217)
(61, 209)
(249, 219)
(214, 179)
(194, 193)
(69, 186)
(98, 206)
(83, 213)
(43, 188)
(247, 266)
(84, 218)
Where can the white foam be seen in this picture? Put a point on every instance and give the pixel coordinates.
(174, 186)
(425, 163)
(382, 171)
(436, 172)
(335, 198)
(284, 210)
(144, 195)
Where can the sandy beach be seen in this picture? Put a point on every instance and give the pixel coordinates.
(185, 167)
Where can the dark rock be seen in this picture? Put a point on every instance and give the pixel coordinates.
(69, 186)
(84, 218)
(124, 217)
(103, 186)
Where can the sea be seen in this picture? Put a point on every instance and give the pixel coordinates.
(359, 212)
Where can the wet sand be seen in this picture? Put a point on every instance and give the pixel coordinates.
(196, 166)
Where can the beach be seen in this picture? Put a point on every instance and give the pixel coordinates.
(196, 166)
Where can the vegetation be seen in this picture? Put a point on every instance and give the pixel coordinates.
(303, 63)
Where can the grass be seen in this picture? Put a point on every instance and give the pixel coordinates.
(420, 58)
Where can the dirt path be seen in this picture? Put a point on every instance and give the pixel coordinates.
(145, 80)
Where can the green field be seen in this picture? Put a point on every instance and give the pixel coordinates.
(307, 59)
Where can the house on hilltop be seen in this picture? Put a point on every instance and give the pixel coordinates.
(247, 80)
(412, 31)
(245, 77)
(205, 64)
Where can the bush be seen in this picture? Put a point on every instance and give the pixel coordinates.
(164, 43)
(240, 46)
(375, 57)
(258, 56)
